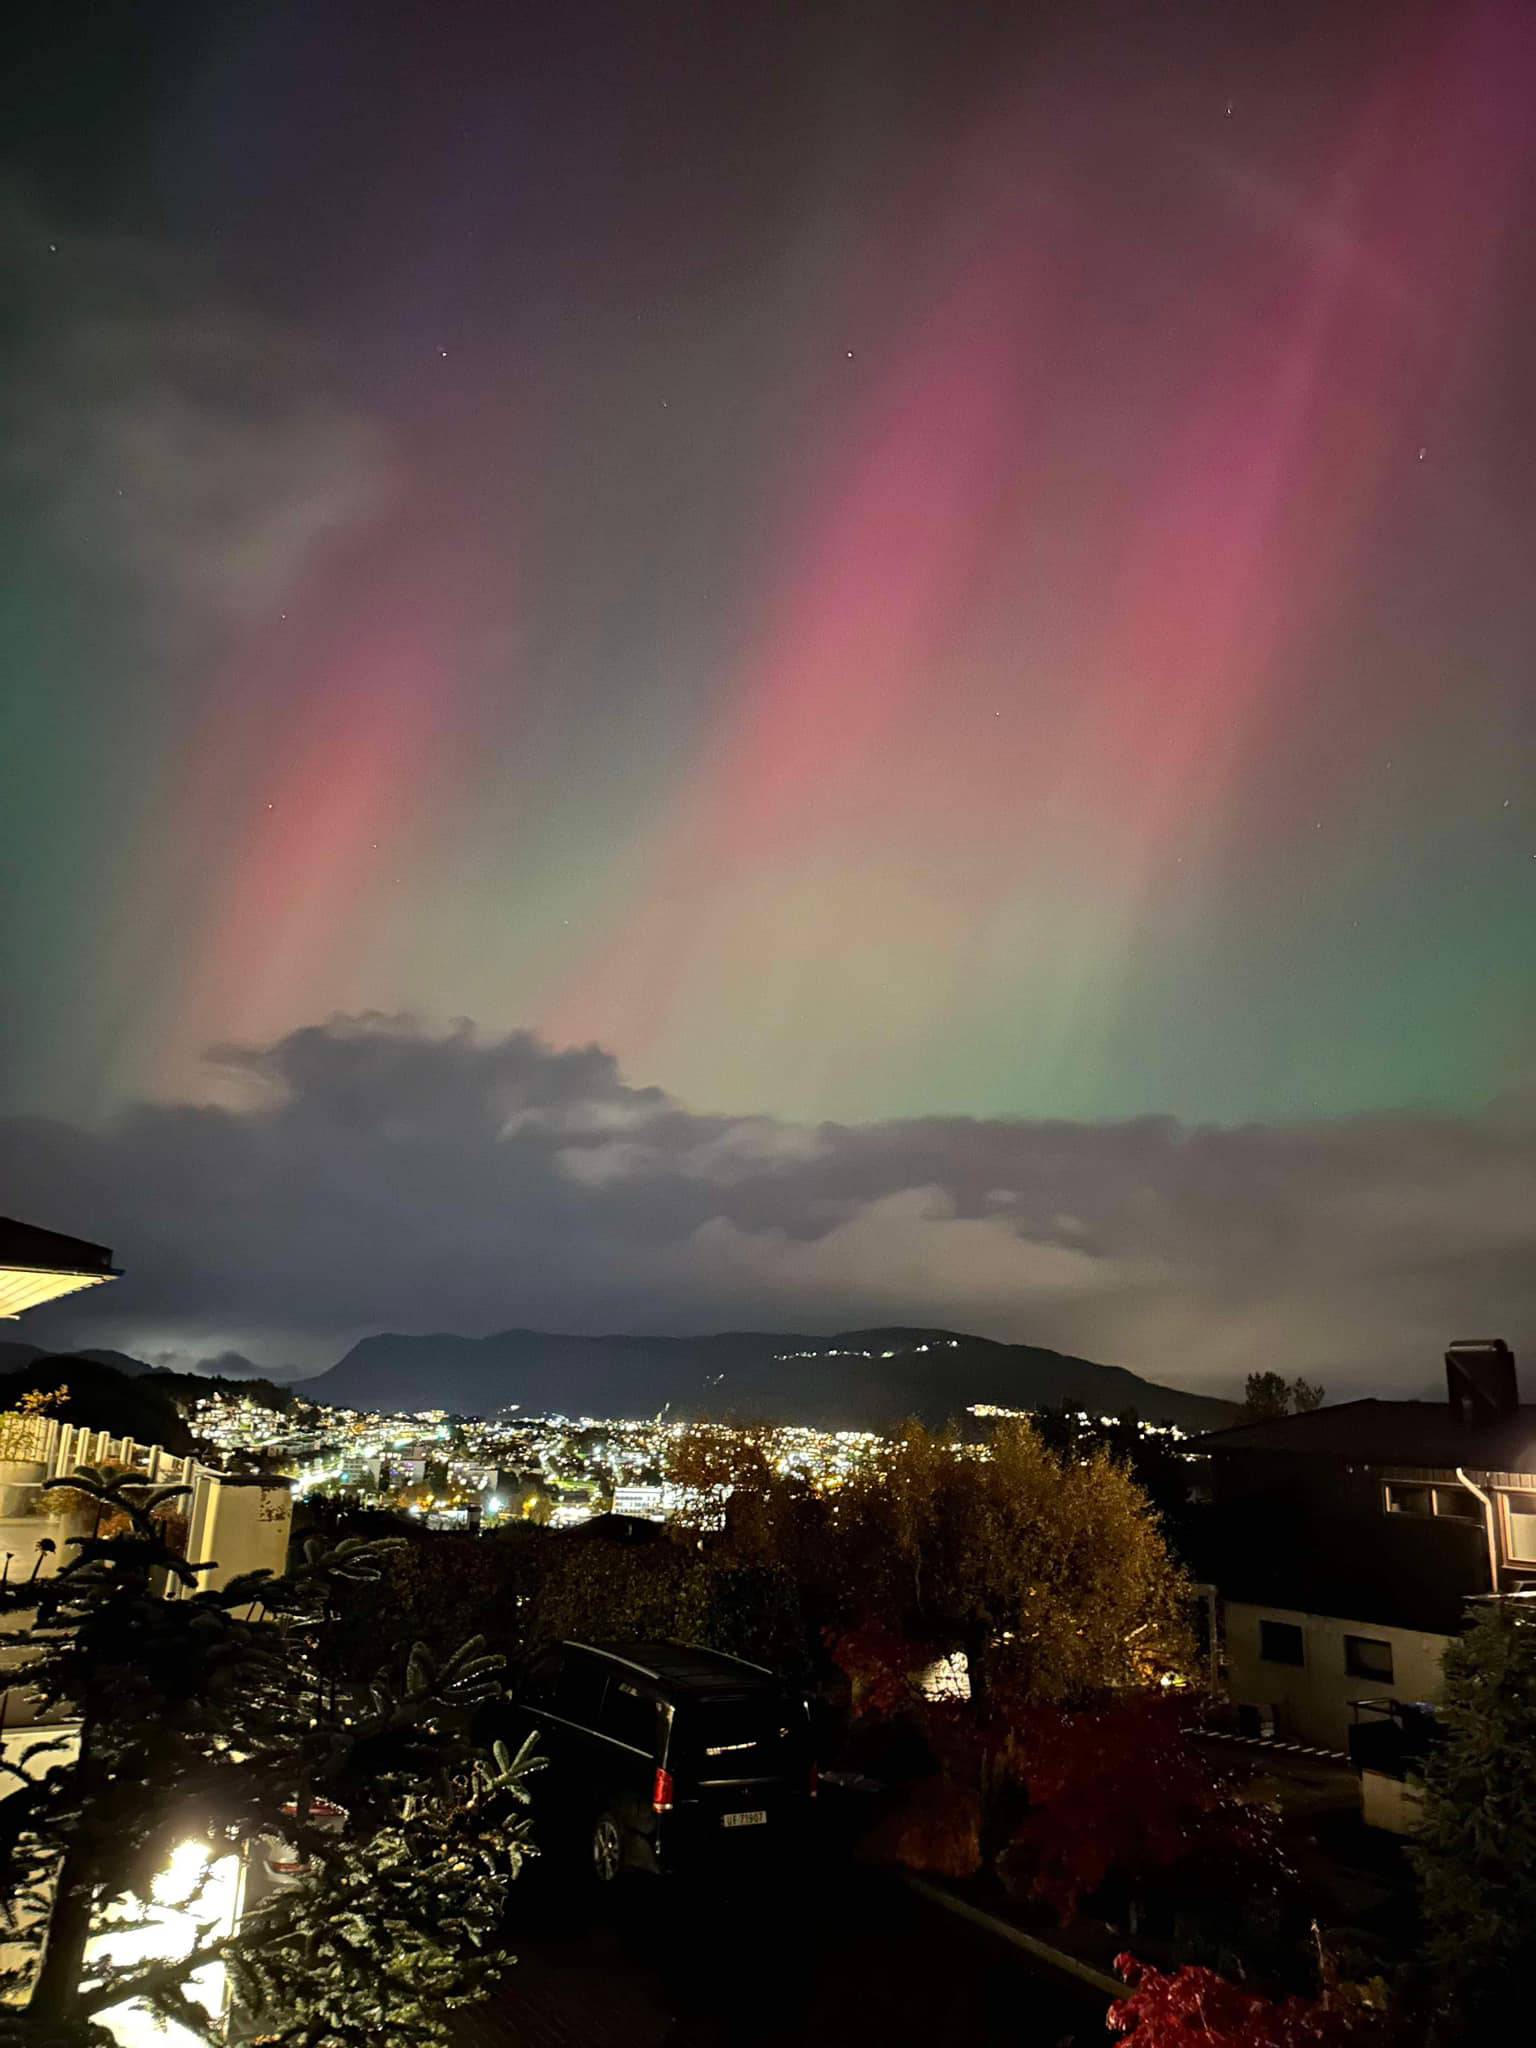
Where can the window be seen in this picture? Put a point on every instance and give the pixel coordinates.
(1445, 1503)
(1280, 1642)
(628, 1716)
(1409, 1500)
(743, 1737)
(579, 1691)
(1520, 1526)
(1365, 1657)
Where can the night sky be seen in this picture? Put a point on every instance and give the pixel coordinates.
(951, 585)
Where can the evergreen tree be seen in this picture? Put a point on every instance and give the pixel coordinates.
(215, 1724)
(1476, 1851)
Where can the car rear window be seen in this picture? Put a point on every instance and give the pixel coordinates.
(752, 1736)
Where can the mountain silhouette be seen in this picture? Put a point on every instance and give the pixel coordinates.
(858, 1379)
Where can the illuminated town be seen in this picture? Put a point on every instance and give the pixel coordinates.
(471, 1472)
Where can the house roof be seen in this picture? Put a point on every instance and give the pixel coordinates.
(40, 1265)
(1426, 1434)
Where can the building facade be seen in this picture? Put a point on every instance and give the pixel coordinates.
(1346, 1544)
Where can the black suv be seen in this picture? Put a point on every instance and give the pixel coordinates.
(661, 1756)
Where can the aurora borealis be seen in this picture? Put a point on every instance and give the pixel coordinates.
(876, 562)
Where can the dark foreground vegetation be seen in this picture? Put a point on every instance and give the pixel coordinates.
(1002, 1655)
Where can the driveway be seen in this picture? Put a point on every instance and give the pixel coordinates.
(846, 1955)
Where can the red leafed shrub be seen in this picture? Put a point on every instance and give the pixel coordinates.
(937, 1829)
(878, 1664)
(1122, 1791)
(1192, 2008)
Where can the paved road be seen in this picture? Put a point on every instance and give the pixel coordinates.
(848, 1957)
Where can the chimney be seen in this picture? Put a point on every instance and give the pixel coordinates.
(1480, 1377)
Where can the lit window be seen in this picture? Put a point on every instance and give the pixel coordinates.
(1520, 1526)
(1365, 1657)
(1280, 1642)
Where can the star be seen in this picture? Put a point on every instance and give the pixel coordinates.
(1422, 453)
(1229, 110)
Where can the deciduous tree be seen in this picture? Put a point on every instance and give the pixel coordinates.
(1050, 1572)
(1269, 1395)
(1122, 1791)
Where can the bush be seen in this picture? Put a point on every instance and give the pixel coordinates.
(1199, 2009)
(1121, 1791)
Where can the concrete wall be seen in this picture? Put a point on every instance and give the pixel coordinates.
(1311, 1701)
(238, 1526)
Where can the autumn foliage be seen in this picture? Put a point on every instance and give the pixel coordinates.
(936, 1828)
(879, 1665)
(1122, 1790)
(1049, 1572)
(1196, 2008)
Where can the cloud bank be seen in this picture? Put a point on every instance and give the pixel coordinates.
(379, 1175)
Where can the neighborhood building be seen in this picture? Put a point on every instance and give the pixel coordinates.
(1346, 1542)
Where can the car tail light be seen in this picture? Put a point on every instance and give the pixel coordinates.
(661, 1790)
(813, 1780)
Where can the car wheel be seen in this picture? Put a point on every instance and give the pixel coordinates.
(607, 1848)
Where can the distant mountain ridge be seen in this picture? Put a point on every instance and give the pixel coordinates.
(858, 1379)
(15, 1355)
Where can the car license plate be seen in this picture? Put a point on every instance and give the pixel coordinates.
(755, 1819)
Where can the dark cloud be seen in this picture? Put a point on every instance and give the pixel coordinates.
(198, 444)
(379, 1175)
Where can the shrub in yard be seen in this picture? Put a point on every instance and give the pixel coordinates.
(878, 1664)
(1121, 1791)
(1193, 2008)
